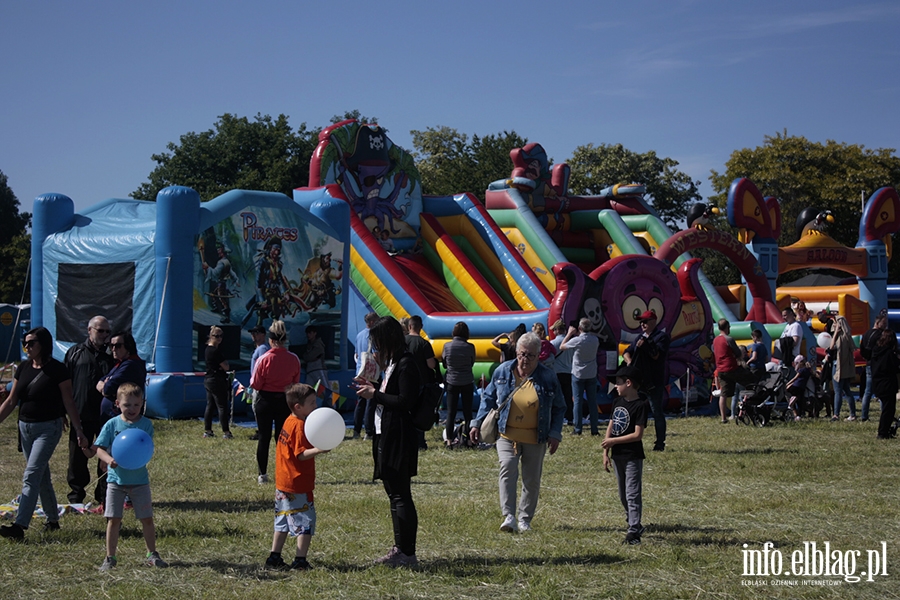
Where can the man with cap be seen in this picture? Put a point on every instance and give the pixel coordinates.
(258, 334)
(649, 353)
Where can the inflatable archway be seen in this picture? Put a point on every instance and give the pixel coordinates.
(764, 309)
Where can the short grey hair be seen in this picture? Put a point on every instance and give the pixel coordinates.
(584, 324)
(529, 341)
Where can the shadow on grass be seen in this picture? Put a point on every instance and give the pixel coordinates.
(740, 451)
(465, 566)
(681, 535)
(469, 566)
(219, 506)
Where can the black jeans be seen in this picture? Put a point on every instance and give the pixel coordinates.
(403, 512)
(455, 393)
(79, 475)
(217, 398)
(362, 419)
(270, 409)
(888, 412)
(565, 382)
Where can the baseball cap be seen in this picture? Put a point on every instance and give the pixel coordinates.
(647, 315)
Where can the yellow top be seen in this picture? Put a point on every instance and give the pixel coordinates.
(522, 422)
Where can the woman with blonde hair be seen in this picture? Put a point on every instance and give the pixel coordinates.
(841, 353)
(216, 384)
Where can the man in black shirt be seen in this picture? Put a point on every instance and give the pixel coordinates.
(87, 362)
(423, 352)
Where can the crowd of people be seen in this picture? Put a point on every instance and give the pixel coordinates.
(540, 385)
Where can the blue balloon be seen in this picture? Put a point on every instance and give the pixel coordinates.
(133, 448)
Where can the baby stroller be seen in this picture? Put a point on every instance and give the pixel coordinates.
(757, 402)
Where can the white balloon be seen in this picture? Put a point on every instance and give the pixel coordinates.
(325, 428)
(824, 340)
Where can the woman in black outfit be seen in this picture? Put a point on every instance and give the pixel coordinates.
(216, 384)
(395, 445)
(458, 356)
(42, 389)
(885, 365)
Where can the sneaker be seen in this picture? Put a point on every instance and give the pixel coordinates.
(393, 552)
(850, 418)
(13, 532)
(255, 436)
(509, 524)
(524, 526)
(300, 564)
(368, 437)
(632, 539)
(657, 447)
(108, 563)
(209, 434)
(227, 436)
(153, 560)
(576, 432)
(51, 526)
(395, 558)
(355, 435)
(262, 479)
(276, 563)
(833, 419)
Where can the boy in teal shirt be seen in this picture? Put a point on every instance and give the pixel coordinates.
(121, 482)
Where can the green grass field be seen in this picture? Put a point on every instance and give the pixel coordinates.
(716, 488)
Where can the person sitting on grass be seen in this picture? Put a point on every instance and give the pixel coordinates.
(295, 478)
(622, 445)
(135, 483)
(796, 387)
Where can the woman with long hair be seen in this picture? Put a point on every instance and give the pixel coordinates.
(508, 348)
(844, 372)
(216, 384)
(395, 445)
(42, 389)
(277, 369)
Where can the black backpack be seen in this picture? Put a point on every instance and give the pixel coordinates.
(423, 414)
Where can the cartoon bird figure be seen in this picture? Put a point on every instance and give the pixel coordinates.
(699, 215)
(812, 221)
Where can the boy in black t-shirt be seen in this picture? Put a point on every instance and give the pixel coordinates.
(623, 446)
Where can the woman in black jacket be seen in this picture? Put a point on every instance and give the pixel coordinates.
(885, 365)
(395, 445)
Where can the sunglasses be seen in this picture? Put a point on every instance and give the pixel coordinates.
(117, 346)
(97, 329)
(216, 335)
(526, 356)
(29, 343)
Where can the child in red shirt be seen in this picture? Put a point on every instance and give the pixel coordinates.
(295, 478)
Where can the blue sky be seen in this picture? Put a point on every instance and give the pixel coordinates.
(89, 91)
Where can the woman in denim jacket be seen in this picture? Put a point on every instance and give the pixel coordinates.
(529, 424)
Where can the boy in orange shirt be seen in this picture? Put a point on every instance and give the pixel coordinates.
(295, 478)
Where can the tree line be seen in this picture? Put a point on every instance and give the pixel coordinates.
(266, 153)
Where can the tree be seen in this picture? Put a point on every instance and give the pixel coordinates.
(265, 154)
(800, 173)
(670, 191)
(451, 164)
(15, 246)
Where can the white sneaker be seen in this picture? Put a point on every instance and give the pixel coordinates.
(262, 479)
(509, 524)
(524, 526)
(850, 418)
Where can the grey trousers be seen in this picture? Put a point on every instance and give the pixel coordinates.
(628, 474)
(531, 457)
